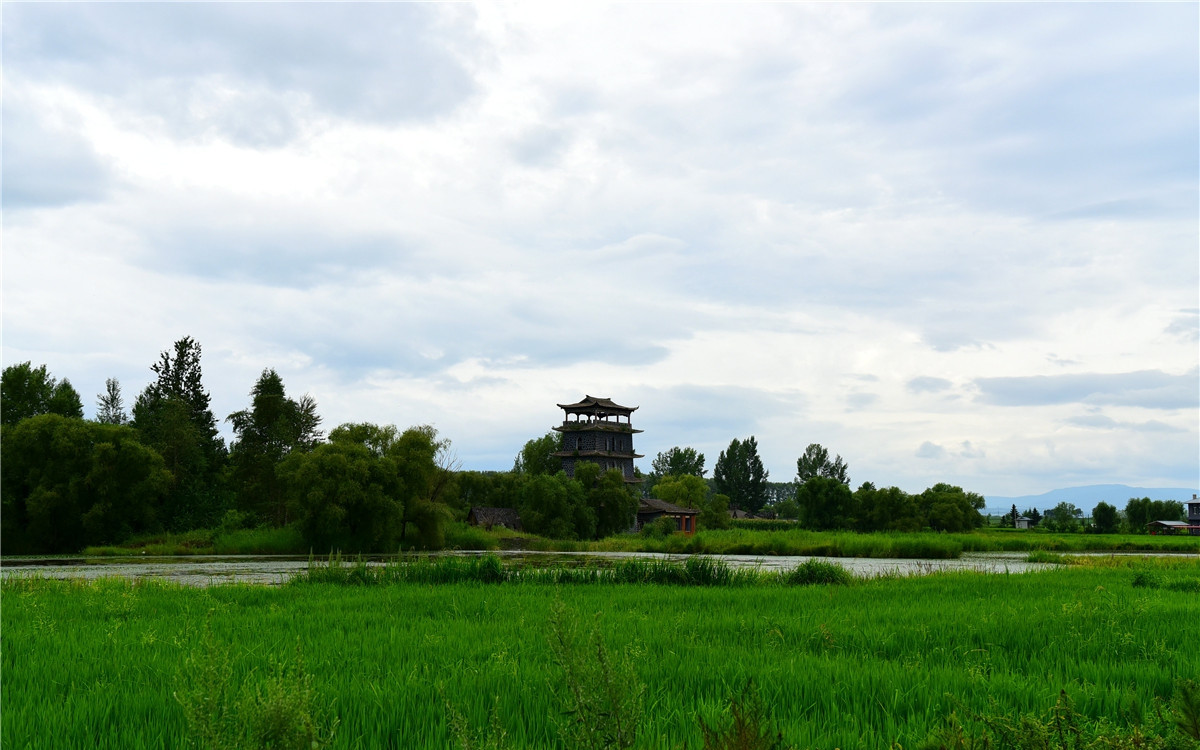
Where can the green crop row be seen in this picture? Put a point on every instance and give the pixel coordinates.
(110, 664)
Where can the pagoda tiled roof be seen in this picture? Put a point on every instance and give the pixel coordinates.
(652, 504)
(594, 405)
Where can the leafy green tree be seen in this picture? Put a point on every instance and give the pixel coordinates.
(194, 499)
(612, 503)
(781, 492)
(110, 405)
(482, 489)
(815, 463)
(27, 391)
(1063, 517)
(416, 453)
(265, 434)
(690, 491)
(679, 461)
(66, 400)
(1105, 518)
(556, 506)
(1012, 517)
(537, 457)
(178, 377)
(788, 509)
(715, 513)
(825, 503)
(68, 483)
(345, 497)
(740, 475)
(886, 509)
(949, 508)
(172, 415)
(684, 490)
(1166, 510)
(360, 490)
(675, 462)
(1139, 512)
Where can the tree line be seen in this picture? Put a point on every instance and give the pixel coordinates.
(819, 497)
(1106, 518)
(161, 465)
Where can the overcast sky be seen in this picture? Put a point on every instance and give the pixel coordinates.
(950, 242)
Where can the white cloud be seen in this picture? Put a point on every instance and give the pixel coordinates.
(874, 227)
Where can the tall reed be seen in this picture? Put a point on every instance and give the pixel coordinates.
(489, 569)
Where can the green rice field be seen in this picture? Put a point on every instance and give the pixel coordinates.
(877, 663)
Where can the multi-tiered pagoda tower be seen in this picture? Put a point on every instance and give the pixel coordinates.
(592, 430)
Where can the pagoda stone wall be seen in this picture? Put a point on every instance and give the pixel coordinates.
(597, 440)
(624, 464)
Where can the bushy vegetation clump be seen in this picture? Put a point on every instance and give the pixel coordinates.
(1171, 725)
(816, 572)
(278, 710)
(489, 569)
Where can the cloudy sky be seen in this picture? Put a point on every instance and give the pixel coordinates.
(949, 242)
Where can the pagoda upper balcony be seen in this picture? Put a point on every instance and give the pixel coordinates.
(573, 425)
(597, 414)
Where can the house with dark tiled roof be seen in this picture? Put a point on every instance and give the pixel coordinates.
(651, 509)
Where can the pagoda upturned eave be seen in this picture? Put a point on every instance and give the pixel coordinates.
(591, 404)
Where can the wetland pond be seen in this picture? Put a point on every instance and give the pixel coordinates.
(275, 570)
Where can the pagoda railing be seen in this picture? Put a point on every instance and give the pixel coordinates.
(591, 424)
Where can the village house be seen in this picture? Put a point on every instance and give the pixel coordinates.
(651, 509)
(1191, 526)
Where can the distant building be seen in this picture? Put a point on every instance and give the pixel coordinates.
(652, 509)
(592, 430)
(1172, 527)
(1022, 522)
(1191, 526)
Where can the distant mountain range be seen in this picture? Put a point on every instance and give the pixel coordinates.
(1085, 498)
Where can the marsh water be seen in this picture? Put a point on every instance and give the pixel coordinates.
(274, 570)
